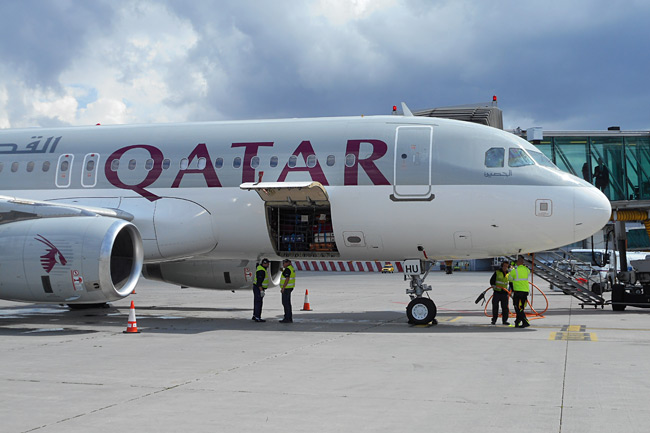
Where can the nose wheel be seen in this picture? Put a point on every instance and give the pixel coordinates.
(421, 311)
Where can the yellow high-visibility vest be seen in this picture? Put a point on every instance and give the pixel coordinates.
(265, 283)
(501, 281)
(519, 277)
(292, 278)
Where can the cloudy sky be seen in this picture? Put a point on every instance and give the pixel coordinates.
(579, 64)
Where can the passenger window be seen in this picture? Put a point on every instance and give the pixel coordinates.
(65, 165)
(115, 164)
(349, 160)
(236, 163)
(518, 157)
(218, 163)
(1, 166)
(255, 162)
(90, 165)
(166, 163)
(148, 164)
(331, 160)
(274, 161)
(14, 167)
(30, 166)
(132, 164)
(184, 164)
(292, 161)
(46, 166)
(311, 161)
(202, 163)
(495, 157)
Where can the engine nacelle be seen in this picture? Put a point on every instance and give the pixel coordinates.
(210, 274)
(72, 260)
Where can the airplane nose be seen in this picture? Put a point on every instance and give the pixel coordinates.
(591, 211)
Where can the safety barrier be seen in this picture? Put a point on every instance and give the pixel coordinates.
(322, 265)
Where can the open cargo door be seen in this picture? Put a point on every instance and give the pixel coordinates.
(298, 217)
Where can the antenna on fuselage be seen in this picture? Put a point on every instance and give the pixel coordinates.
(406, 110)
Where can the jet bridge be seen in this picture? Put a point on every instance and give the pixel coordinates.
(298, 217)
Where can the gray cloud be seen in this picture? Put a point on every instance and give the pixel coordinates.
(576, 65)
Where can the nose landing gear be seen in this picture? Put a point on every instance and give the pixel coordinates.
(421, 310)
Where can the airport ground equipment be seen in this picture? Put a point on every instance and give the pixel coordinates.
(575, 281)
(633, 286)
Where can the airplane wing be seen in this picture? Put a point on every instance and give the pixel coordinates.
(15, 209)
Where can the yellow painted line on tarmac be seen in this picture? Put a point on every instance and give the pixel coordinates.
(573, 333)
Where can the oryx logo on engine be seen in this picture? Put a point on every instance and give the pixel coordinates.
(49, 259)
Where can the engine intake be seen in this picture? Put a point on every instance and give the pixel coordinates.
(73, 260)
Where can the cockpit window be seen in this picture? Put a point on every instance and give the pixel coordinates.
(542, 160)
(495, 157)
(518, 157)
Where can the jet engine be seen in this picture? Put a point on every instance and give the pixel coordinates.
(72, 260)
(210, 274)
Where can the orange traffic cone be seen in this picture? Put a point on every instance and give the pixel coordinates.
(131, 325)
(306, 306)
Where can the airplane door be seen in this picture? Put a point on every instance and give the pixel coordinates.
(412, 178)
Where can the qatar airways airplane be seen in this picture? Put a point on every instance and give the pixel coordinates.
(85, 211)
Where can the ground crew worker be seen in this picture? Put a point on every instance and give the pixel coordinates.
(519, 278)
(287, 283)
(499, 283)
(260, 284)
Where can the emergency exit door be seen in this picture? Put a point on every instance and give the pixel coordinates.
(413, 146)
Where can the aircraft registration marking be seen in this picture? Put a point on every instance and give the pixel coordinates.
(573, 333)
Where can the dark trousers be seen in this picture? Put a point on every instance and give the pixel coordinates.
(520, 300)
(286, 303)
(500, 298)
(257, 302)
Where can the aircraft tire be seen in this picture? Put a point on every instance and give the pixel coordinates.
(421, 311)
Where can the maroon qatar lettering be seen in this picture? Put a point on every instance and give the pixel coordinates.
(351, 174)
(316, 172)
(151, 177)
(251, 149)
(208, 172)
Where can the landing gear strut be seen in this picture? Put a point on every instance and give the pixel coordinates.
(420, 310)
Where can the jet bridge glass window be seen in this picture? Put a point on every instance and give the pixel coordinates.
(495, 157)
(518, 157)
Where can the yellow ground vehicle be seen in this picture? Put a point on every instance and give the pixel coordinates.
(388, 269)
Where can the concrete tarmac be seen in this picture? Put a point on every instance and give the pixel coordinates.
(352, 364)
